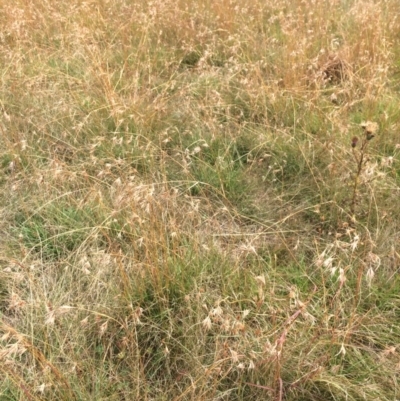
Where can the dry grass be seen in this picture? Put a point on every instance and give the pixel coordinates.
(185, 215)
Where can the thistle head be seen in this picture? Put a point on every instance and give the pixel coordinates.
(370, 128)
(354, 141)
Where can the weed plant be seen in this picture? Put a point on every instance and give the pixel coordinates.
(184, 212)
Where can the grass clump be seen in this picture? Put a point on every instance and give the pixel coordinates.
(185, 215)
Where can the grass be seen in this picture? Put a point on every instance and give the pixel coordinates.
(184, 215)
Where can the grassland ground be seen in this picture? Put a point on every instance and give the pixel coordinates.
(199, 200)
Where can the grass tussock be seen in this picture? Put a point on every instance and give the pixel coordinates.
(199, 200)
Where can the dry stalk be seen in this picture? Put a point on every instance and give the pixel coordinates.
(360, 157)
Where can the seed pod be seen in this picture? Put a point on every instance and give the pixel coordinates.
(354, 142)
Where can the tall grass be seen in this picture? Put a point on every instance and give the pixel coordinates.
(186, 214)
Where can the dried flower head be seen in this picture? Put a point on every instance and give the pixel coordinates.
(370, 128)
(354, 142)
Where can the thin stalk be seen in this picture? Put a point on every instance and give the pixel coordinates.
(360, 162)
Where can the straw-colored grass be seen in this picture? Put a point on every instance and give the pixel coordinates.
(199, 200)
